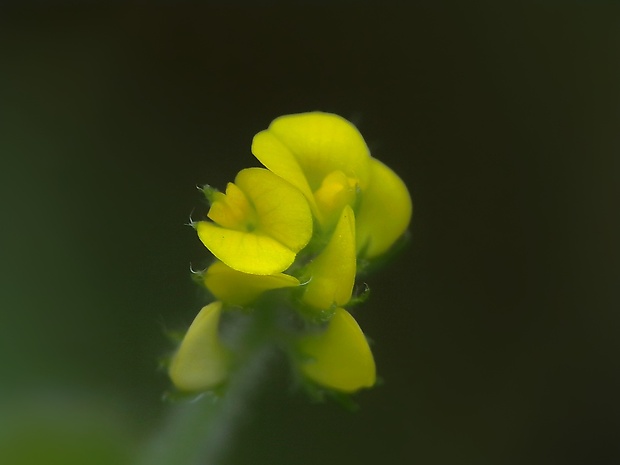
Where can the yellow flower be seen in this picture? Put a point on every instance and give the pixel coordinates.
(202, 361)
(331, 274)
(259, 224)
(339, 357)
(322, 185)
(326, 158)
(236, 288)
(321, 154)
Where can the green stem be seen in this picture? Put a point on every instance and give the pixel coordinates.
(199, 432)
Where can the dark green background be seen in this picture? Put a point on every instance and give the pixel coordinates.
(496, 331)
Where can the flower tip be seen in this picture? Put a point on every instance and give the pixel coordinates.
(201, 362)
(209, 192)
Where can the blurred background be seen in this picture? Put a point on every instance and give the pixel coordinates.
(496, 331)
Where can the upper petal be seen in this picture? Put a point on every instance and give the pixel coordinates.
(339, 357)
(384, 211)
(304, 148)
(201, 361)
(276, 156)
(322, 143)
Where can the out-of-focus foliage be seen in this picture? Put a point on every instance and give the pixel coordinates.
(59, 432)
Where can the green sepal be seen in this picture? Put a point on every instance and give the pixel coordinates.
(209, 192)
(319, 395)
(359, 295)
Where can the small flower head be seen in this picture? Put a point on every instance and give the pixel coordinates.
(259, 225)
(322, 205)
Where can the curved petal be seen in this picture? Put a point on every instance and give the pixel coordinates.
(236, 288)
(201, 362)
(276, 156)
(244, 251)
(232, 210)
(339, 357)
(332, 273)
(321, 143)
(282, 211)
(336, 191)
(384, 211)
(305, 148)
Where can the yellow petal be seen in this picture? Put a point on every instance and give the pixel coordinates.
(244, 251)
(236, 288)
(201, 362)
(336, 191)
(384, 211)
(339, 357)
(322, 143)
(332, 273)
(282, 211)
(304, 148)
(276, 156)
(232, 210)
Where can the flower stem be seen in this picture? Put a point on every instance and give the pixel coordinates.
(199, 432)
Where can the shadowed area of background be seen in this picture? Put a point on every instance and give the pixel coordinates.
(496, 331)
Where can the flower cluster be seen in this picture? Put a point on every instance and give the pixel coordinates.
(302, 224)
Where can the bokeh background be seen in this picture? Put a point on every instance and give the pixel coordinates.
(496, 331)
